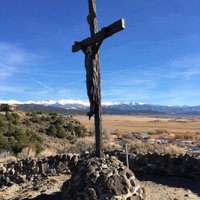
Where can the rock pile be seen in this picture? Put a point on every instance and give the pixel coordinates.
(151, 163)
(30, 169)
(100, 179)
(165, 165)
(183, 165)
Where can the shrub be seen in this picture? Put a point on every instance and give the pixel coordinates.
(75, 128)
(60, 131)
(35, 118)
(53, 115)
(13, 138)
(52, 130)
(60, 121)
(80, 130)
(3, 143)
(13, 118)
(145, 147)
(27, 122)
(41, 130)
(57, 131)
(16, 136)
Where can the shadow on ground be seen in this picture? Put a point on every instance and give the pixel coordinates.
(54, 196)
(170, 181)
(173, 181)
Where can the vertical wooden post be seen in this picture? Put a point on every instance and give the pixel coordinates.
(90, 47)
(92, 20)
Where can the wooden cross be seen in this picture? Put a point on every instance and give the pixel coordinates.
(90, 47)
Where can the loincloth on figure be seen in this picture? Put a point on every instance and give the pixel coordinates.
(92, 92)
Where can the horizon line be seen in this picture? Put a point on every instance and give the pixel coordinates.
(84, 102)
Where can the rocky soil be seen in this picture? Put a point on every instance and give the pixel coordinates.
(157, 188)
(48, 186)
(170, 188)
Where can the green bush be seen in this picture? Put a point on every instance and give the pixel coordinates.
(41, 130)
(53, 115)
(12, 117)
(27, 122)
(18, 133)
(60, 121)
(80, 130)
(3, 143)
(60, 132)
(13, 137)
(57, 131)
(52, 130)
(35, 118)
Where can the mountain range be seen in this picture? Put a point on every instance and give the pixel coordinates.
(78, 106)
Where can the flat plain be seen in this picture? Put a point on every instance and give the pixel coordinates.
(133, 124)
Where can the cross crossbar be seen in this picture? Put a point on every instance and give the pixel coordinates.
(100, 36)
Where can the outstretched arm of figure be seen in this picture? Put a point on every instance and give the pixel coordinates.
(83, 47)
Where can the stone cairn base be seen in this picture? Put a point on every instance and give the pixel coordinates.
(102, 179)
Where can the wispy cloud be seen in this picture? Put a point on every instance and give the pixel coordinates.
(12, 54)
(13, 60)
(174, 82)
(42, 84)
(188, 66)
(70, 83)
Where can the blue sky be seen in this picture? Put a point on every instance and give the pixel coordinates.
(156, 59)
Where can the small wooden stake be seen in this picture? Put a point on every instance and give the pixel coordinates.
(127, 161)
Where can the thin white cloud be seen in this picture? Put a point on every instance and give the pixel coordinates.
(188, 66)
(175, 82)
(70, 83)
(42, 84)
(5, 72)
(14, 59)
(12, 54)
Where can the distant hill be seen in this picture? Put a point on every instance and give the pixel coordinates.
(106, 110)
(49, 109)
(72, 107)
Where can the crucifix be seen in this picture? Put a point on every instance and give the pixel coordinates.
(90, 47)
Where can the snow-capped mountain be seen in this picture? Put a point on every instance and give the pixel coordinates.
(129, 107)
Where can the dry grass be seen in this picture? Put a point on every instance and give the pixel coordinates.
(145, 147)
(27, 152)
(159, 125)
(6, 156)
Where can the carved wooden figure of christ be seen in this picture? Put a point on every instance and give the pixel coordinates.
(90, 47)
(92, 76)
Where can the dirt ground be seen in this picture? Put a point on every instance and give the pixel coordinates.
(157, 188)
(42, 189)
(170, 188)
